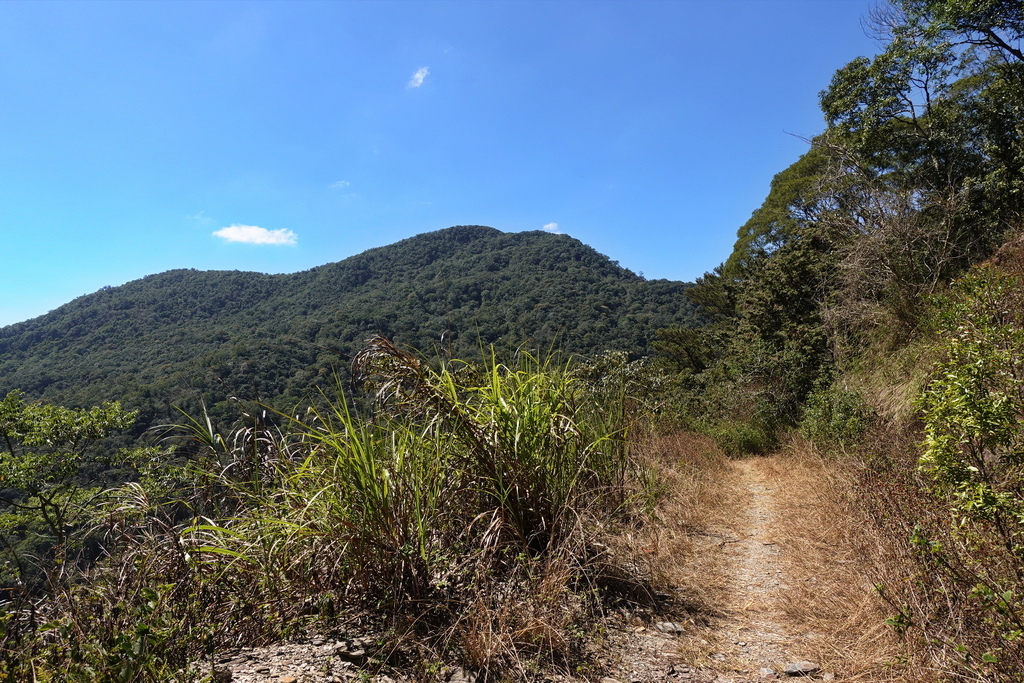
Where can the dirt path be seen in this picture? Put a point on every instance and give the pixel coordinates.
(756, 635)
(781, 562)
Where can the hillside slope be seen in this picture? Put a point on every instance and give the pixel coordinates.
(185, 333)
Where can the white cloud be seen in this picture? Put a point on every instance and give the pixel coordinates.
(253, 234)
(339, 185)
(200, 217)
(552, 227)
(418, 77)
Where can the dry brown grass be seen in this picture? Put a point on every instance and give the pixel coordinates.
(686, 472)
(690, 470)
(833, 555)
(830, 556)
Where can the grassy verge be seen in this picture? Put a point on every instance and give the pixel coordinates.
(460, 521)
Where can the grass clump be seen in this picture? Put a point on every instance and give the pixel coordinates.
(456, 517)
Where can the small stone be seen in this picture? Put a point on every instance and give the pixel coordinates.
(356, 655)
(802, 668)
(289, 679)
(828, 677)
(460, 676)
(263, 670)
(668, 627)
(765, 672)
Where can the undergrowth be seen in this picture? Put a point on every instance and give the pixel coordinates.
(946, 489)
(458, 521)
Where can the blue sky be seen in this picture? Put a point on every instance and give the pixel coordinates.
(140, 137)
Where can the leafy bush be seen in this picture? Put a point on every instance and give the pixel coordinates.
(967, 533)
(973, 408)
(737, 438)
(834, 416)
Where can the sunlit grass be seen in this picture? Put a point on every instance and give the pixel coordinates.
(464, 503)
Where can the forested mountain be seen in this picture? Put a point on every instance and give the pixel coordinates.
(184, 334)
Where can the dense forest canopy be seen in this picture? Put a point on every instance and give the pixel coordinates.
(174, 337)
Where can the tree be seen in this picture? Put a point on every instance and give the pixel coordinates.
(938, 115)
(47, 480)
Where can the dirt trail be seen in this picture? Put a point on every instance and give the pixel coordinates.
(780, 563)
(756, 633)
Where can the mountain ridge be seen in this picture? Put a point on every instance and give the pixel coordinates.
(230, 333)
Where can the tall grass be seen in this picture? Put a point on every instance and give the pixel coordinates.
(460, 512)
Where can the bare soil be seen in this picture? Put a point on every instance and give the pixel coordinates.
(784, 564)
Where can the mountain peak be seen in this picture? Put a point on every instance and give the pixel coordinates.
(155, 341)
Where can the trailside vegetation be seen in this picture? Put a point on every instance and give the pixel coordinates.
(873, 302)
(459, 520)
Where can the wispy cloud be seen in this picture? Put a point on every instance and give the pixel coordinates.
(339, 185)
(418, 77)
(253, 234)
(200, 217)
(552, 227)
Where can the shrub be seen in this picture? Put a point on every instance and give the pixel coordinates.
(737, 438)
(834, 416)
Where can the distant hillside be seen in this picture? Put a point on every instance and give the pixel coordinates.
(182, 334)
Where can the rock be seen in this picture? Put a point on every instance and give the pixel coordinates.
(222, 674)
(352, 653)
(828, 677)
(668, 627)
(460, 676)
(289, 679)
(765, 672)
(802, 668)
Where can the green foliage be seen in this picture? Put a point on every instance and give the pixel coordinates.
(919, 177)
(737, 439)
(934, 118)
(766, 344)
(973, 408)
(187, 338)
(973, 413)
(834, 416)
(48, 485)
